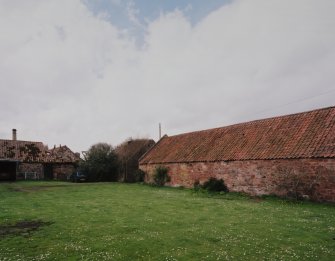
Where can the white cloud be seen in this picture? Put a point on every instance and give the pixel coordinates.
(70, 77)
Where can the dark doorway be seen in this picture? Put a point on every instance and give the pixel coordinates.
(48, 173)
(7, 170)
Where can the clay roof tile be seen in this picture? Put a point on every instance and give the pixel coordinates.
(302, 135)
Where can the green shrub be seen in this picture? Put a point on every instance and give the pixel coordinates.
(161, 176)
(211, 185)
(100, 163)
(139, 175)
(196, 185)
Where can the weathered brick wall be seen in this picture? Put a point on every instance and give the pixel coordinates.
(29, 169)
(312, 177)
(62, 171)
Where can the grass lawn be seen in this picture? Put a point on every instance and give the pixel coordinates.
(112, 221)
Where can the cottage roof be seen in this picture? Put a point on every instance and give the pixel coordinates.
(302, 135)
(22, 150)
(32, 151)
(62, 154)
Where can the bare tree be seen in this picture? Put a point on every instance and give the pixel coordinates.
(297, 183)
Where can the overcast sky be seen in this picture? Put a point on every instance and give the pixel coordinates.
(78, 72)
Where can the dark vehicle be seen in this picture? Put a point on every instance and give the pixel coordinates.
(78, 177)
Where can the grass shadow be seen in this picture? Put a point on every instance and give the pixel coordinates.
(22, 228)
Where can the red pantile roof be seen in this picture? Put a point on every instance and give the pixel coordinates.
(302, 135)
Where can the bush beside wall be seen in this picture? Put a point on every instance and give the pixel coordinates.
(259, 177)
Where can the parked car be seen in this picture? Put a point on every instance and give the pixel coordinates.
(78, 177)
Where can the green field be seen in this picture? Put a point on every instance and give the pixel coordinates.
(113, 221)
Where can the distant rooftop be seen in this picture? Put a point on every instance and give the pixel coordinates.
(33, 151)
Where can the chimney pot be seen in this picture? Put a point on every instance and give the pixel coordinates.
(160, 130)
(14, 134)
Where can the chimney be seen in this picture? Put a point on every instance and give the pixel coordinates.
(160, 130)
(13, 134)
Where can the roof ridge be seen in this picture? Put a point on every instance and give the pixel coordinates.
(22, 141)
(254, 121)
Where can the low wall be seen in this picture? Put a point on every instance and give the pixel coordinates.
(312, 178)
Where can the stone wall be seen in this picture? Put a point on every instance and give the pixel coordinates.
(60, 171)
(30, 171)
(63, 171)
(312, 178)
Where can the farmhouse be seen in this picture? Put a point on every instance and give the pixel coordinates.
(33, 160)
(291, 155)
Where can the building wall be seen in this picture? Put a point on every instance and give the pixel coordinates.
(62, 171)
(314, 178)
(30, 171)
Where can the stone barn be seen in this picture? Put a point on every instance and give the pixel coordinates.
(60, 163)
(291, 155)
(33, 160)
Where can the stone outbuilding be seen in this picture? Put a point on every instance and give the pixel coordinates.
(292, 155)
(33, 160)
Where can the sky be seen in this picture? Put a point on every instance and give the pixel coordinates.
(78, 72)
